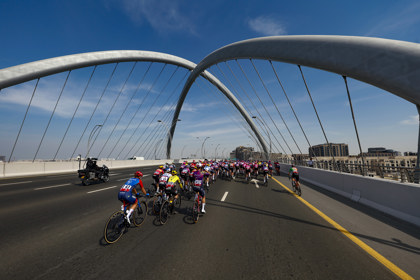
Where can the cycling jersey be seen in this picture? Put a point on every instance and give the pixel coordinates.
(172, 182)
(126, 191)
(164, 179)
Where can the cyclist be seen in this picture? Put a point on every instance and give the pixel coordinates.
(129, 194)
(265, 171)
(277, 166)
(164, 179)
(247, 167)
(171, 184)
(294, 173)
(198, 187)
(207, 172)
(156, 176)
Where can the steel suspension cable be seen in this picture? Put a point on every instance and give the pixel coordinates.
(355, 126)
(96, 107)
(242, 101)
(269, 115)
(171, 107)
(150, 107)
(161, 91)
(250, 100)
(160, 109)
(150, 89)
(278, 111)
(157, 130)
(135, 93)
(161, 131)
(260, 115)
(265, 131)
(125, 109)
(74, 114)
(316, 112)
(293, 110)
(110, 111)
(52, 114)
(139, 107)
(242, 124)
(243, 72)
(24, 118)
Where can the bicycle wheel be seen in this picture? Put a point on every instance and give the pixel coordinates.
(164, 213)
(298, 191)
(140, 214)
(195, 211)
(177, 203)
(157, 204)
(114, 228)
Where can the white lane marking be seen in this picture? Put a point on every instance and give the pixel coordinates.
(102, 189)
(224, 196)
(49, 187)
(256, 183)
(16, 183)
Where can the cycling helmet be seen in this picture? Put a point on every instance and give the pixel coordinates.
(160, 166)
(174, 172)
(138, 174)
(168, 170)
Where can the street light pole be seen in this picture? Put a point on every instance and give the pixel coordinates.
(203, 154)
(94, 130)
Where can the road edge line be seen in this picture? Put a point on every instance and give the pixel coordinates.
(384, 261)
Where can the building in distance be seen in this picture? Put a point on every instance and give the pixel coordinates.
(333, 149)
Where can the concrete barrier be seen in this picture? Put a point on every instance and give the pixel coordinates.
(401, 200)
(28, 168)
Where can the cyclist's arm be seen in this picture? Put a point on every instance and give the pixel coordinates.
(179, 181)
(142, 187)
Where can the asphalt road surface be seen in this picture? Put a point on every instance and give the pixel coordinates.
(52, 228)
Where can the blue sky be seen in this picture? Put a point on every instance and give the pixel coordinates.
(35, 30)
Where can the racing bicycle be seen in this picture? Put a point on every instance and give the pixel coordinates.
(296, 187)
(117, 223)
(168, 205)
(196, 209)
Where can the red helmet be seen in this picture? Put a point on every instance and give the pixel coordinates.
(138, 174)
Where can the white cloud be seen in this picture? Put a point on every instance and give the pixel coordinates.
(412, 120)
(267, 26)
(162, 15)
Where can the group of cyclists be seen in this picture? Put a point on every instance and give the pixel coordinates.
(196, 176)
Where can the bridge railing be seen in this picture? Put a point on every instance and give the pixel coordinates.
(396, 173)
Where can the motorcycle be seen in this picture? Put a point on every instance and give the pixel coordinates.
(93, 173)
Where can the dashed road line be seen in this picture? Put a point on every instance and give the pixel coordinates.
(16, 183)
(103, 189)
(224, 196)
(49, 187)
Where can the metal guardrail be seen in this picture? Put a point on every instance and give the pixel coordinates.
(396, 173)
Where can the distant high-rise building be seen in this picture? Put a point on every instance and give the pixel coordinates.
(381, 152)
(323, 150)
(243, 153)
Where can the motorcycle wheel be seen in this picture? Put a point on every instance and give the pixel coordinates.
(85, 182)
